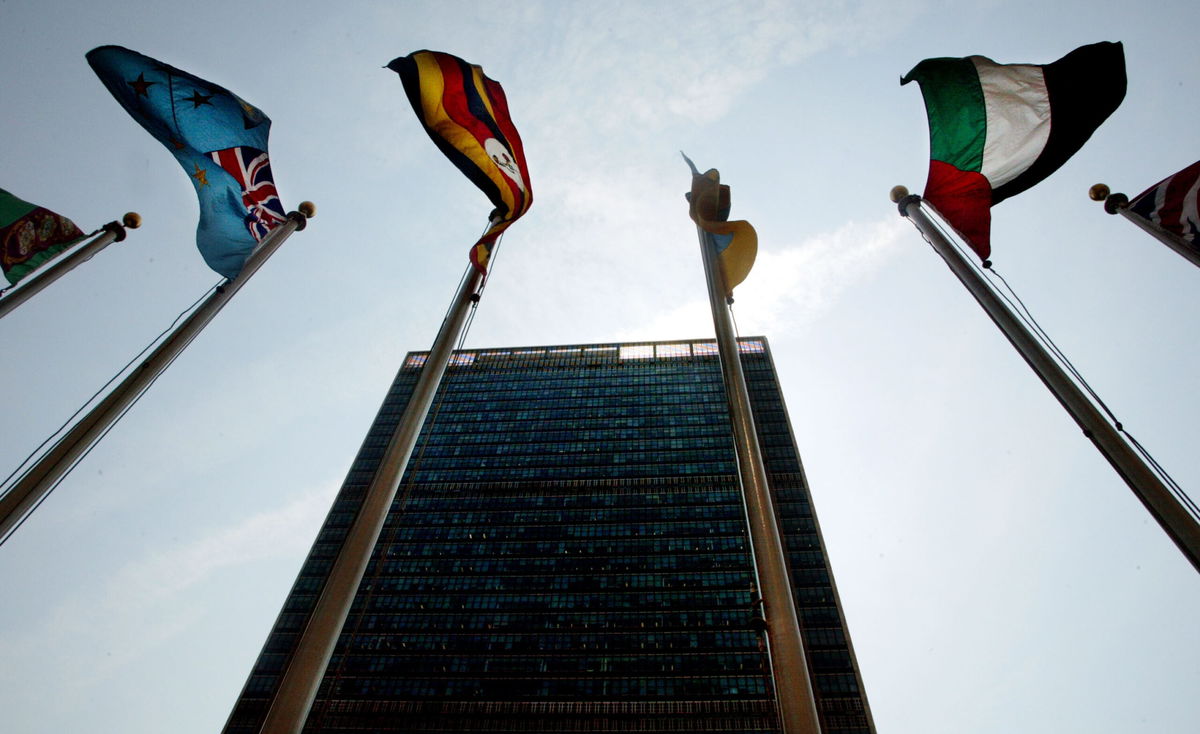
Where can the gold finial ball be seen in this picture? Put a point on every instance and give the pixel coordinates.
(308, 209)
(133, 220)
(898, 193)
(1098, 192)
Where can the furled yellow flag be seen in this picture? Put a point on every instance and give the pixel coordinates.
(736, 242)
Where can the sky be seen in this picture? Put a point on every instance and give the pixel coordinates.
(996, 574)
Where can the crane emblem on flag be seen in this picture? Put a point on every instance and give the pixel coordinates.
(504, 161)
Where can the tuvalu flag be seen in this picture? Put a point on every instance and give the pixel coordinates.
(30, 236)
(736, 242)
(1172, 206)
(998, 129)
(218, 138)
(466, 115)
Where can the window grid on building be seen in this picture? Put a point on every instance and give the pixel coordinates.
(568, 553)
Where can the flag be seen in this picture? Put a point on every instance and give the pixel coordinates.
(736, 242)
(218, 138)
(466, 115)
(1171, 205)
(997, 129)
(31, 235)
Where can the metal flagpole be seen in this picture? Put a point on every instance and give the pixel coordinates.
(298, 688)
(1119, 204)
(793, 686)
(1149, 488)
(63, 264)
(36, 483)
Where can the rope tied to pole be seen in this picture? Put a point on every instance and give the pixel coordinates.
(1023, 314)
(404, 492)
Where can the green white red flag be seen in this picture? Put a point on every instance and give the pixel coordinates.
(998, 129)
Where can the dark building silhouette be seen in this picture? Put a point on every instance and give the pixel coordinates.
(568, 553)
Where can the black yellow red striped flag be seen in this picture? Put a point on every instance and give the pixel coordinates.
(466, 115)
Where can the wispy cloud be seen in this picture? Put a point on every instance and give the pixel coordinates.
(793, 286)
(147, 603)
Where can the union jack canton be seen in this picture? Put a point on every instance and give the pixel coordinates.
(252, 170)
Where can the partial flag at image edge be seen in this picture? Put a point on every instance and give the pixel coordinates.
(1173, 206)
(30, 236)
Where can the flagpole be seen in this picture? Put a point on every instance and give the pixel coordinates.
(36, 483)
(1146, 485)
(298, 688)
(793, 686)
(1119, 204)
(63, 264)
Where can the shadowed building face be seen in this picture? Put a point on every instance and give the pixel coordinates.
(567, 552)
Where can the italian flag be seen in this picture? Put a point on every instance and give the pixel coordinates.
(997, 129)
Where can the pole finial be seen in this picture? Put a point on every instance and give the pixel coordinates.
(898, 193)
(308, 209)
(1099, 192)
(133, 220)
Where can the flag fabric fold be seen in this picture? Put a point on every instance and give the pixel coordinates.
(30, 236)
(466, 114)
(1172, 206)
(736, 242)
(995, 130)
(218, 138)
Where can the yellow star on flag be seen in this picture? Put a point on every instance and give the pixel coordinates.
(200, 175)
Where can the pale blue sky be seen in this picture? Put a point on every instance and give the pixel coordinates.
(996, 574)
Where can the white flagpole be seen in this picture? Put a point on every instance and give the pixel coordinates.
(298, 688)
(789, 669)
(36, 483)
(64, 263)
(1146, 485)
(1119, 204)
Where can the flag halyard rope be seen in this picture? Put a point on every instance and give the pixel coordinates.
(1022, 313)
(25, 467)
(404, 493)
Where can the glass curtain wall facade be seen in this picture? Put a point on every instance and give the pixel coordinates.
(568, 552)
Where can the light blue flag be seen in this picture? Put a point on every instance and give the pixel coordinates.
(218, 138)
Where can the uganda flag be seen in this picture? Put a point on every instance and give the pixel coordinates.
(30, 236)
(466, 115)
(736, 242)
(998, 129)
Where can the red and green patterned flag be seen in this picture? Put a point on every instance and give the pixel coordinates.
(997, 129)
(31, 235)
